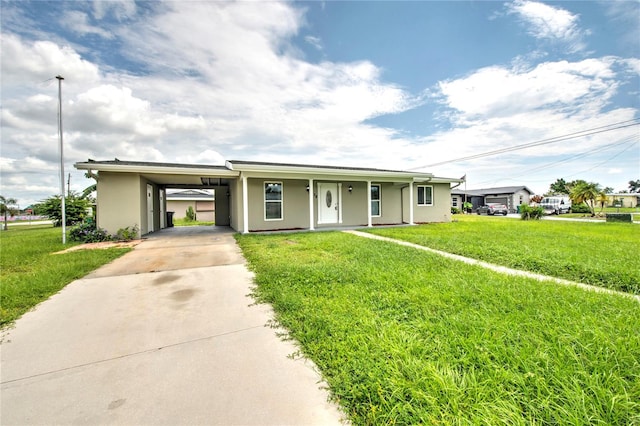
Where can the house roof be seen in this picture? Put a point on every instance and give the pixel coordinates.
(103, 165)
(238, 164)
(353, 172)
(189, 194)
(489, 191)
(235, 168)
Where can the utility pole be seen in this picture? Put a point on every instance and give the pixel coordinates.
(62, 194)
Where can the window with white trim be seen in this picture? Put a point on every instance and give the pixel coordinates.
(375, 200)
(454, 202)
(273, 201)
(425, 195)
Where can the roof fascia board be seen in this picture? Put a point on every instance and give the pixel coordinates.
(337, 175)
(149, 169)
(445, 180)
(320, 171)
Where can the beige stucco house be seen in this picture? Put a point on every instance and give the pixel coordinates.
(623, 200)
(202, 202)
(256, 196)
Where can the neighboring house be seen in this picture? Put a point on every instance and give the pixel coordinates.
(202, 202)
(626, 200)
(256, 196)
(510, 196)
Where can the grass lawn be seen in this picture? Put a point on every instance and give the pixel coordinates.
(408, 337)
(602, 254)
(30, 273)
(187, 222)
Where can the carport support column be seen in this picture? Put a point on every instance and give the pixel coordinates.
(311, 217)
(245, 206)
(410, 203)
(369, 222)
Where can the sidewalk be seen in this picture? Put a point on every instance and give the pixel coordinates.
(181, 345)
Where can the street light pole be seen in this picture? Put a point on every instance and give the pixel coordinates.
(62, 192)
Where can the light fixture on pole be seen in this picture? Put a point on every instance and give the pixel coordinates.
(62, 204)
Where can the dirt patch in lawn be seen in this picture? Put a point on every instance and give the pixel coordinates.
(101, 245)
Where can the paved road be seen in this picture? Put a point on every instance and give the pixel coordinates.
(167, 334)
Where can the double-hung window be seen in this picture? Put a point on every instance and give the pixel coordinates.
(375, 200)
(425, 195)
(273, 201)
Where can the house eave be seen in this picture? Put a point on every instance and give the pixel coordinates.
(265, 169)
(147, 168)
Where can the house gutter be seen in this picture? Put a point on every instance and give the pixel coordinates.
(129, 168)
(360, 174)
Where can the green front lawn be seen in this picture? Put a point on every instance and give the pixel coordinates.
(602, 254)
(404, 336)
(31, 273)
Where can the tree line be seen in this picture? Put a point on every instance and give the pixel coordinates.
(589, 193)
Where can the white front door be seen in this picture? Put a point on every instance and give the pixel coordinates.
(163, 213)
(328, 203)
(149, 208)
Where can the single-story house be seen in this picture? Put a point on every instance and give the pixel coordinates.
(623, 200)
(510, 196)
(202, 201)
(257, 196)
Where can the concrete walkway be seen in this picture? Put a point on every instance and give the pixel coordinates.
(166, 334)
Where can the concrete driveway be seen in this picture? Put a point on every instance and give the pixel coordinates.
(166, 334)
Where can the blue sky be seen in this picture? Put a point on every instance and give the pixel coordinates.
(400, 85)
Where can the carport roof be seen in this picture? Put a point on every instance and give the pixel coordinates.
(120, 165)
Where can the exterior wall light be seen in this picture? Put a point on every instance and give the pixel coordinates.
(350, 188)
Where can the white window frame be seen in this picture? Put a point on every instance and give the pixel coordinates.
(454, 202)
(281, 200)
(379, 200)
(423, 187)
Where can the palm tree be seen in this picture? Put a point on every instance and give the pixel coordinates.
(8, 205)
(583, 192)
(602, 199)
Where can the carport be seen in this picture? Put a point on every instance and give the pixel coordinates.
(134, 193)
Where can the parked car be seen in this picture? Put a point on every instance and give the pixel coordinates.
(556, 205)
(493, 209)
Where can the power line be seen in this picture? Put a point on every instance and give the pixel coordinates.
(583, 154)
(604, 162)
(588, 132)
(628, 140)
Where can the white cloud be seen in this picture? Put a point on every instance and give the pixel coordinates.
(550, 23)
(269, 97)
(120, 9)
(107, 108)
(633, 64)
(500, 91)
(498, 107)
(78, 22)
(314, 41)
(32, 62)
(208, 156)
